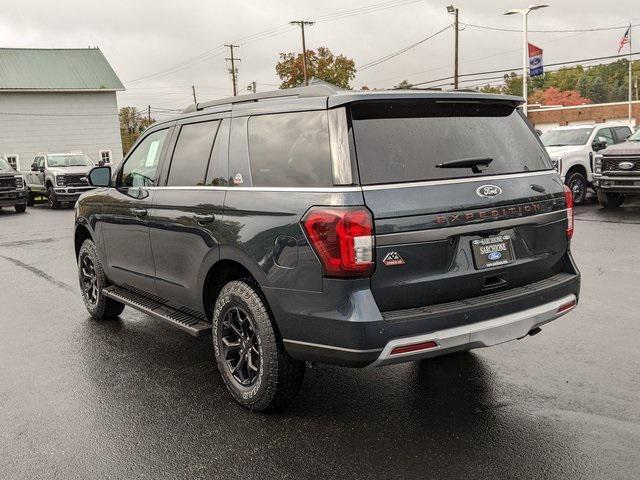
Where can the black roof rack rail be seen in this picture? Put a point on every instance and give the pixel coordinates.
(464, 90)
(318, 90)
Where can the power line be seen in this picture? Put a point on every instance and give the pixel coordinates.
(573, 30)
(181, 66)
(269, 33)
(517, 68)
(389, 56)
(364, 10)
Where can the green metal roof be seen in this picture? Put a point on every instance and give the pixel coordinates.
(30, 69)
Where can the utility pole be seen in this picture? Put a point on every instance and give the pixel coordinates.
(193, 89)
(525, 46)
(149, 114)
(233, 70)
(630, 73)
(302, 24)
(454, 11)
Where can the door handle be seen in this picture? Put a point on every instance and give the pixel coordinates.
(139, 212)
(204, 218)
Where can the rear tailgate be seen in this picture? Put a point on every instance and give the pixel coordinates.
(428, 218)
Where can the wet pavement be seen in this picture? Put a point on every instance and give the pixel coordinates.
(134, 398)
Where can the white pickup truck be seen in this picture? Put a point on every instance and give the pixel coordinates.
(572, 150)
(61, 177)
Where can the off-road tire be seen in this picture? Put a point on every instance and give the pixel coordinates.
(21, 208)
(610, 200)
(102, 308)
(279, 377)
(52, 198)
(578, 185)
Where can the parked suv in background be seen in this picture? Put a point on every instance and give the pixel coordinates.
(330, 226)
(572, 150)
(12, 188)
(617, 172)
(61, 177)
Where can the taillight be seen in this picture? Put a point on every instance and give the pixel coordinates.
(342, 237)
(568, 198)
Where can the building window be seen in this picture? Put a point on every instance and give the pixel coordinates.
(105, 156)
(13, 161)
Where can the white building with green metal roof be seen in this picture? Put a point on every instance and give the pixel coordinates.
(58, 100)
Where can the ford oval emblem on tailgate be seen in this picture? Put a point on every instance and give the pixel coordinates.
(489, 191)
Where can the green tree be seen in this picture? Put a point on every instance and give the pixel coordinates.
(404, 84)
(321, 64)
(596, 91)
(132, 124)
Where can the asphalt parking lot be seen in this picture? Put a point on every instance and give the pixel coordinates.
(135, 398)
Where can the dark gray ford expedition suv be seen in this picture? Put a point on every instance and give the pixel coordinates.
(328, 226)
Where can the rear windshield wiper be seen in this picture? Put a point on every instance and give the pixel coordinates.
(477, 164)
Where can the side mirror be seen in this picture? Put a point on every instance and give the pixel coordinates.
(34, 167)
(100, 177)
(41, 169)
(598, 145)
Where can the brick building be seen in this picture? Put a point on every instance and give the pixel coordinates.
(550, 117)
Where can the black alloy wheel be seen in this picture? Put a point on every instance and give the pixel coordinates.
(240, 346)
(89, 280)
(577, 183)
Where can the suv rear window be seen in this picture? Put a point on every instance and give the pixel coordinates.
(403, 141)
(290, 150)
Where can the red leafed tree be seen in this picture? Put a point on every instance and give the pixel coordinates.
(553, 96)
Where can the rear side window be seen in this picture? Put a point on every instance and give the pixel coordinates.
(622, 133)
(191, 154)
(404, 141)
(290, 150)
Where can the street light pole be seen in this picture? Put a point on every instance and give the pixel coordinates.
(525, 46)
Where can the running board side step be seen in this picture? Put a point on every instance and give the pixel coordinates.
(159, 309)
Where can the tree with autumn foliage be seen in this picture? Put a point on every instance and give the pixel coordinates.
(321, 64)
(554, 96)
(132, 124)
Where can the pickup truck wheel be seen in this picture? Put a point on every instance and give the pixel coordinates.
(92, 281)
(256, 369)
(52, 198)
(21, 208)
(577, 183)
(610, 200)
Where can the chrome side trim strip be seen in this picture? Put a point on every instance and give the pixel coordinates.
(485, 178)
(443, 233)
(261, 189)
(340, 189)
(331, 347)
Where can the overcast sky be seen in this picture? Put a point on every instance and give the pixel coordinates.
(142, 37)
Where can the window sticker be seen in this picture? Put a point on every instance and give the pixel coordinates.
(152, 154)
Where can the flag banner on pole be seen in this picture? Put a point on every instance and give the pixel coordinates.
(535, 61)
(624, 40)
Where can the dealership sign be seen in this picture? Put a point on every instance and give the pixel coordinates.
(535, 61)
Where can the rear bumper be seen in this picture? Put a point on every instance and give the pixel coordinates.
(477, 335)
(346, 328)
